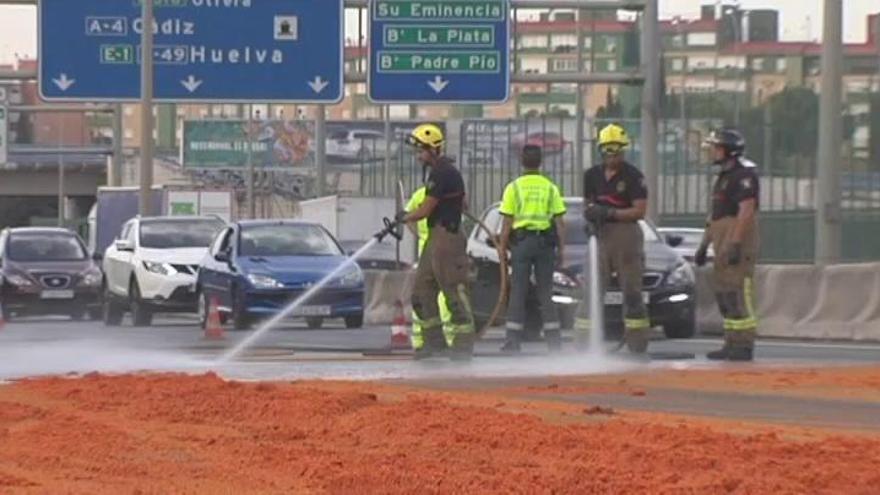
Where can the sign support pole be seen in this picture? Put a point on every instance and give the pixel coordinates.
(251, 199)
(146, 172)
(321, 151)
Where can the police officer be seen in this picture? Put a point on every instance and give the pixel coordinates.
(615, 199)
(733, 233)
(533, 229)
(421, 231)
(443, 266)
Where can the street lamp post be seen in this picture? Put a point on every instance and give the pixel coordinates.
(682, 97)
(738, 38)
(60, 143)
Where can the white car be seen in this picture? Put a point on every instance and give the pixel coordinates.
(152, 267)
(357, 144)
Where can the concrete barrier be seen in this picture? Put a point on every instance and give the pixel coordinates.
(796, 301)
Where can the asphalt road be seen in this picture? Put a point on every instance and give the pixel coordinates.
(50, 346)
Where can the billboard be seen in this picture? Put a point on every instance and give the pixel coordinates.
(223, 144)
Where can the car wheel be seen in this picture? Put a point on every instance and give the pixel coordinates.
(356, 321)
(141, 315)
(112, 311)
(95, 314)
(240, 318)
(5, 315)
(78, 315)
(566, 316)
(681, 328)
(202, 310)
(316, 323)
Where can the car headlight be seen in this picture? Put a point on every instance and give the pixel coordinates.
(564, 280)
(351, 279)
(159, 268)
(683, 274)
(261, 281)
(19, 280)
(91, 278)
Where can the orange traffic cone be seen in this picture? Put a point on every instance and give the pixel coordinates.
(399, 327)
(213, 329)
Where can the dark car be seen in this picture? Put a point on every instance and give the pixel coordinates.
(48, 271)
(256, 268)
(668, 281)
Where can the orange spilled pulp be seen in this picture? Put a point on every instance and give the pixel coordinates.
(171, 433)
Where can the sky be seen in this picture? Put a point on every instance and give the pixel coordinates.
(800, 20)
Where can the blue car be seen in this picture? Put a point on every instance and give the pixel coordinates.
(255, 268)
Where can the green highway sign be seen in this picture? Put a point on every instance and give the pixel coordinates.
(432, 51)
(413, 35)
(439, 62)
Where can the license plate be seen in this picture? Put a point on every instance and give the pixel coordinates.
(312, 311)
(616, 298)
(56, 294)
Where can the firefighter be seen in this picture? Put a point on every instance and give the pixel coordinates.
(443, 266)
(732, 231)
(420, 230)
(615, 199)
(533, 229)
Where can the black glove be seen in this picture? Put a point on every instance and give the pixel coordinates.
(598, 214)
(734, 254)
(399, 216)
(702, 255)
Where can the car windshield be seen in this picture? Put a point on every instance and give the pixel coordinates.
(174, 234)
(45, 247)
(287, 240)
(574, 230)
(689, 238)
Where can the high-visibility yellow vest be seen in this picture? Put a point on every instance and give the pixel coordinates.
(533, 201)
(418, 197)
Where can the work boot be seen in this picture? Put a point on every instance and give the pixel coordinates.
(463, 347)
(720, 354)
(434, 346)
(740, 354)
(513, 343)
(554, 340)
(637, 341)
(723, 354)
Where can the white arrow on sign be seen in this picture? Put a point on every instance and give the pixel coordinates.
(191, 83)
(438, 84)
(63, 82)
(318, 84)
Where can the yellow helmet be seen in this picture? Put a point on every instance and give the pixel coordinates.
(613, 137)
(426, 136)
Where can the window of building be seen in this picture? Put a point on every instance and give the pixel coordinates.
(588, 42)
(533, 41)
(128, 110)
(758, 64)
(533, 65)
(701, 39)
(609, 43)
(676, 40)
(612, 65)
(128, 133)
(781, 64)
(564, 65)
(678, 64)
(563, 42)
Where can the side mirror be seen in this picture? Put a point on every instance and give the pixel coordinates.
(123, 245)
(674, 240)
(222, 256)
(97, 256)
(490, 242)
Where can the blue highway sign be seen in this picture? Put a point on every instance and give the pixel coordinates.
(204, 50)
(439, 51)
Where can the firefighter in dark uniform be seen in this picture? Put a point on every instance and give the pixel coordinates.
(443, 265)
(732, 231)
(615, 199)
(533, 229)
